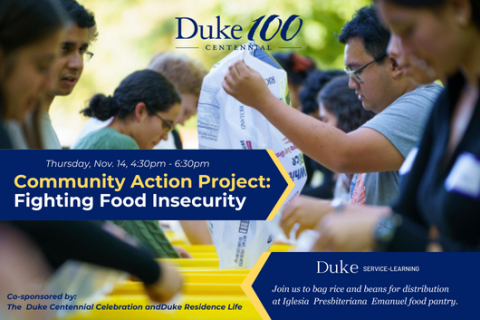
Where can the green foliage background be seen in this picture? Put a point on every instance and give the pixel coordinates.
(131, 31)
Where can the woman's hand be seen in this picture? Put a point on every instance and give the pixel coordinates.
(169, 284)
(247, 86)
(351, 230)
(307, 211)
(197, 231)
(182, 252)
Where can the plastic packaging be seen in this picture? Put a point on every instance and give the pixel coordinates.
(225, 123)
(88, 283)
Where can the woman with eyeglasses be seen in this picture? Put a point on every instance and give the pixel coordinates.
(186, 75)
(144, 107)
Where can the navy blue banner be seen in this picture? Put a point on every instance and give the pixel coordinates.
(135, 184)
(370, 285)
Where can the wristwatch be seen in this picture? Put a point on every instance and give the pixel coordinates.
(385, 230)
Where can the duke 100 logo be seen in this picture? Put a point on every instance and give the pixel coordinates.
(228, 32)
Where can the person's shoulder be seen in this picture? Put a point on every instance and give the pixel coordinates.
(422, 97)
(45, 117)
(89, 141)
(411, 105)
(411, 108)
(431, 90)
(106, 138)
(118, 140)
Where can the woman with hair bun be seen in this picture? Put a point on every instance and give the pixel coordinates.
(144, 106)
(186, 75)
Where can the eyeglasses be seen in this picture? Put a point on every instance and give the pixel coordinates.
(70, 48)
(355, 74)
(87, 56)
(166, 124)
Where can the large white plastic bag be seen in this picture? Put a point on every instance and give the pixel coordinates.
(239, 244)
(225, 123)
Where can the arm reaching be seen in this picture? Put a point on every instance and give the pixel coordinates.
(197, 231)
(363, 150)
(307, 211)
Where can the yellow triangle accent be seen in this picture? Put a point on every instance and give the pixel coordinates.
(248, 289)
(287, 190)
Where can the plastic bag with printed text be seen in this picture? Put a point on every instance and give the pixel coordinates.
(225, 123)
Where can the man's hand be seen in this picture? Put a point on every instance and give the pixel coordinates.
(349, 231)
(247, 86)
(307, 211)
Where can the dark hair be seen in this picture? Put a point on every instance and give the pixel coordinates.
(297, 67)
(81, 16)
(366, 25)
(437, 3)
(342, 101)
(312, 86)
(23, 22)
(145, 86)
